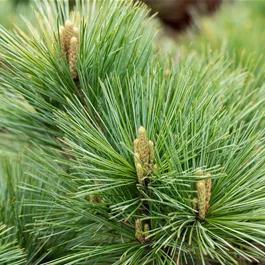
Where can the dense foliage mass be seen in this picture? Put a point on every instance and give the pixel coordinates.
(115, 152)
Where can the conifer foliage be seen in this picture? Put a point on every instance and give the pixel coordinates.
(132, 158)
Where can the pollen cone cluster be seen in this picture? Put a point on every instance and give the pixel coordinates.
(141, 231)
(201, 203)
(69, 38)
(143, 156)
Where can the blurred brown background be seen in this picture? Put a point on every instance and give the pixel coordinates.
(178, 13)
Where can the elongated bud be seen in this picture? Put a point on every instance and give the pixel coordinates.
(151, 152)
(146, 232)
(72, 57)
(201, 196)
(195, 204)
(138, 224)
(199, 172)
(62, 39)
(208, 186)
(146, 228)
(140, 173)
(143, 145)
(155, 168)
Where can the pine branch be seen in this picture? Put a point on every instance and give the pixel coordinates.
(87, 194)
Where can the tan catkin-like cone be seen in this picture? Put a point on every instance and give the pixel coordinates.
(69, 38)
(143, 155)
(69, 33)
(201, 196)
(143, 145)
(62, 39)
(72, 57)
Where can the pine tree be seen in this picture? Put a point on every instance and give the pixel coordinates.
(131, 157)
